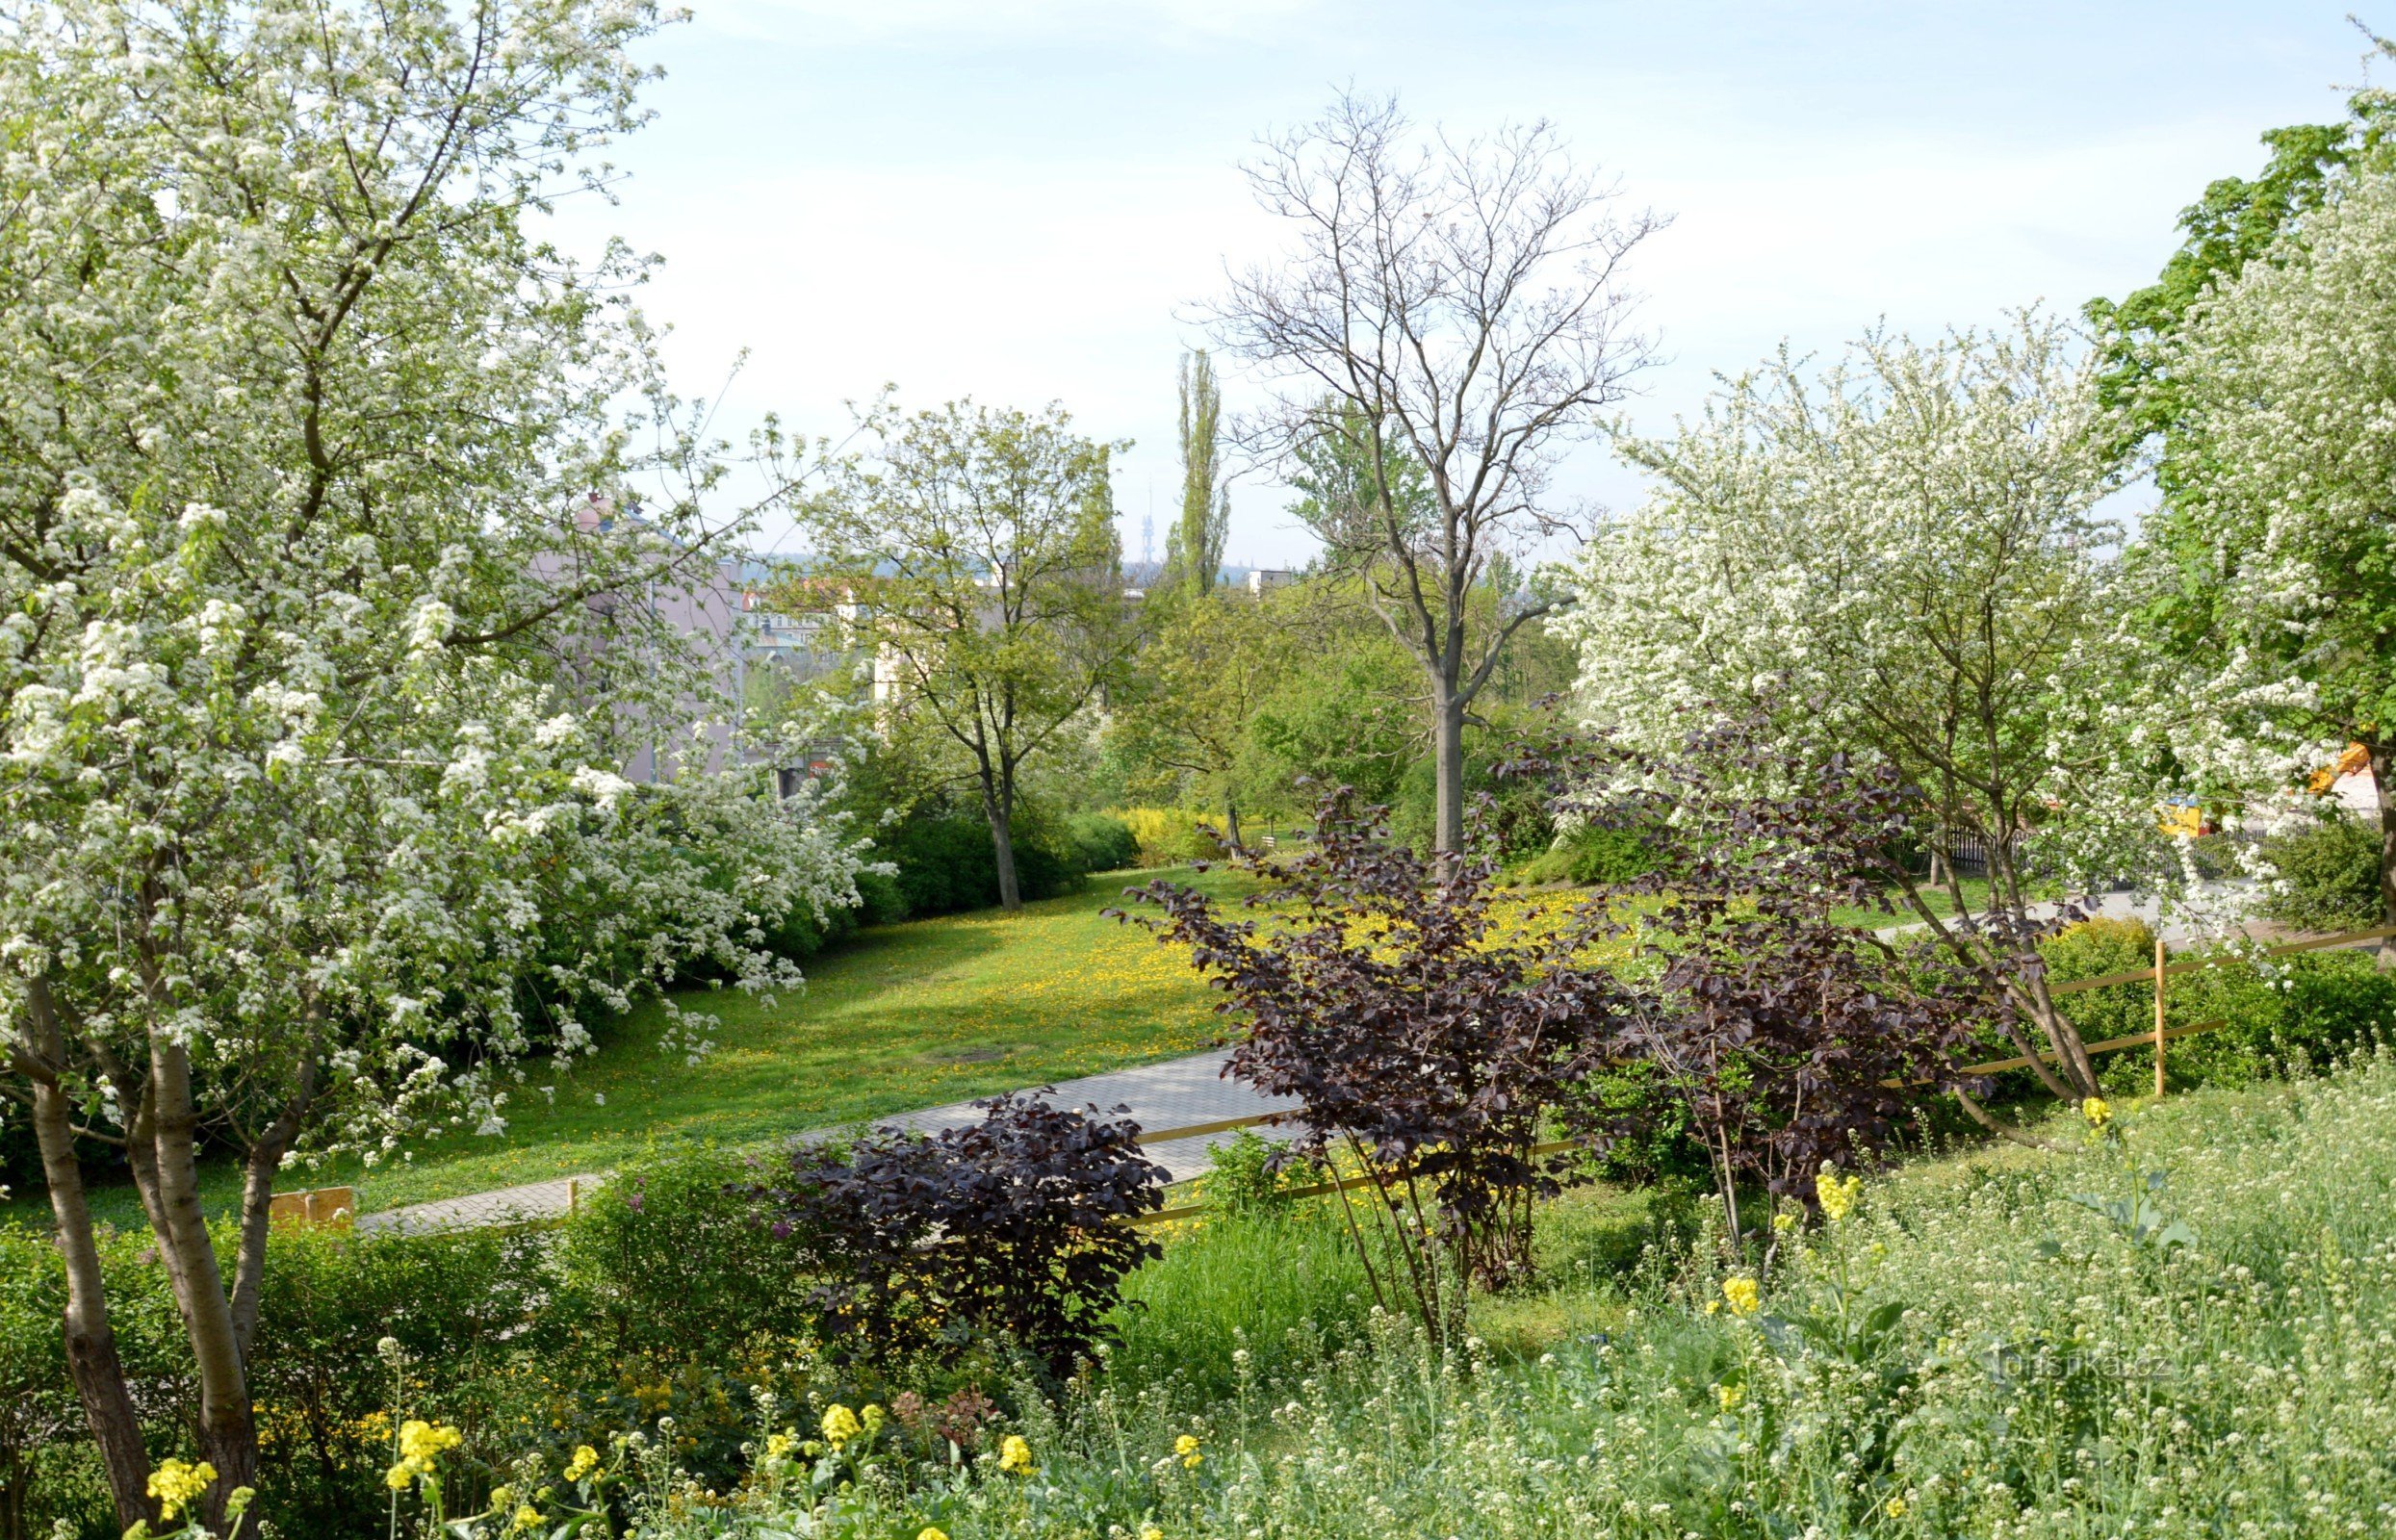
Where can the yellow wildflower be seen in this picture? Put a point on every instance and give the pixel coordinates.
(1015, 1456)
(1783, 1222)
(840, 1425)
(2096, 1112)
(1838, 1197)
(1730, 1396)
(585, 1460)
(528, 1517)
(1714, 1307)
(176, 1485)
(421, 1441)
(402, 1475)
(1187, 1447)
(1894, 1507)
(872, 1416)
(1743, 1296)
(1149, 1531)
(931, 1532)
(778, 1445)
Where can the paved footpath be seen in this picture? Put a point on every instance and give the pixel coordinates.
(1176, 1093)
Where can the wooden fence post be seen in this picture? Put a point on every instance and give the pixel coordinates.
(2158, 1014)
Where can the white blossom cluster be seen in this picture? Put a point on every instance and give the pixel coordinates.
(1900, 556)
(2282, 524)
(310, 819)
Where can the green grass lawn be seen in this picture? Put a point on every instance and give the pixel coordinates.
(899, 1017)
(1868, 918)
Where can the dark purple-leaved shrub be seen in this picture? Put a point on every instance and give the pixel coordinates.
(1424, 1036)
(1790, 1040)
(1006, 1228)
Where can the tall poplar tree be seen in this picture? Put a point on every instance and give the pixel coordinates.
(1193, 553)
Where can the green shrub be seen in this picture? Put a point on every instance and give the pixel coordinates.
(471, 1311)
(1243, 1179)
(947, 864)
(803, 934)
(2328, 876)
(1172, 836)
(2313, 1007)
(40, 1417)
(675, 1252)
(1588, 857)
(2090, 950)
(1515, 813)
(1104, 843)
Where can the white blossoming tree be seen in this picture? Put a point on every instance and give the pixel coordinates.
(2275, 545)
(303, 798)
(1898, 558)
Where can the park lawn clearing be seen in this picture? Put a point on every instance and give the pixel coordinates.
(901, 1017)
(897, 1018)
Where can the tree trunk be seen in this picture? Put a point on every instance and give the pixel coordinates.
(1448, 759)
(92, 1359)
(998, 805)
(1231, 822)
(228, 1433)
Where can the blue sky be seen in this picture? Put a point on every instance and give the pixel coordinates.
(1018, 199)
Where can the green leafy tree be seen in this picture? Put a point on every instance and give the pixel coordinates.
(1186, 719)
(980, 544)
(1195, 551)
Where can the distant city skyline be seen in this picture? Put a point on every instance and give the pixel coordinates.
(1017, 200)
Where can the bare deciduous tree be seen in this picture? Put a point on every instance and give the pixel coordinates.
(1451, 319)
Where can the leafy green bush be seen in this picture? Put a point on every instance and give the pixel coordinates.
(1516, 813)
(675, 1252)
(467, 1308)
(2090, 950)
(1590, 857)
(1173, 836)
(1104, 842)
(2330, 875)
(2313, 1007)
(947, 863)
(1245, 1178)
